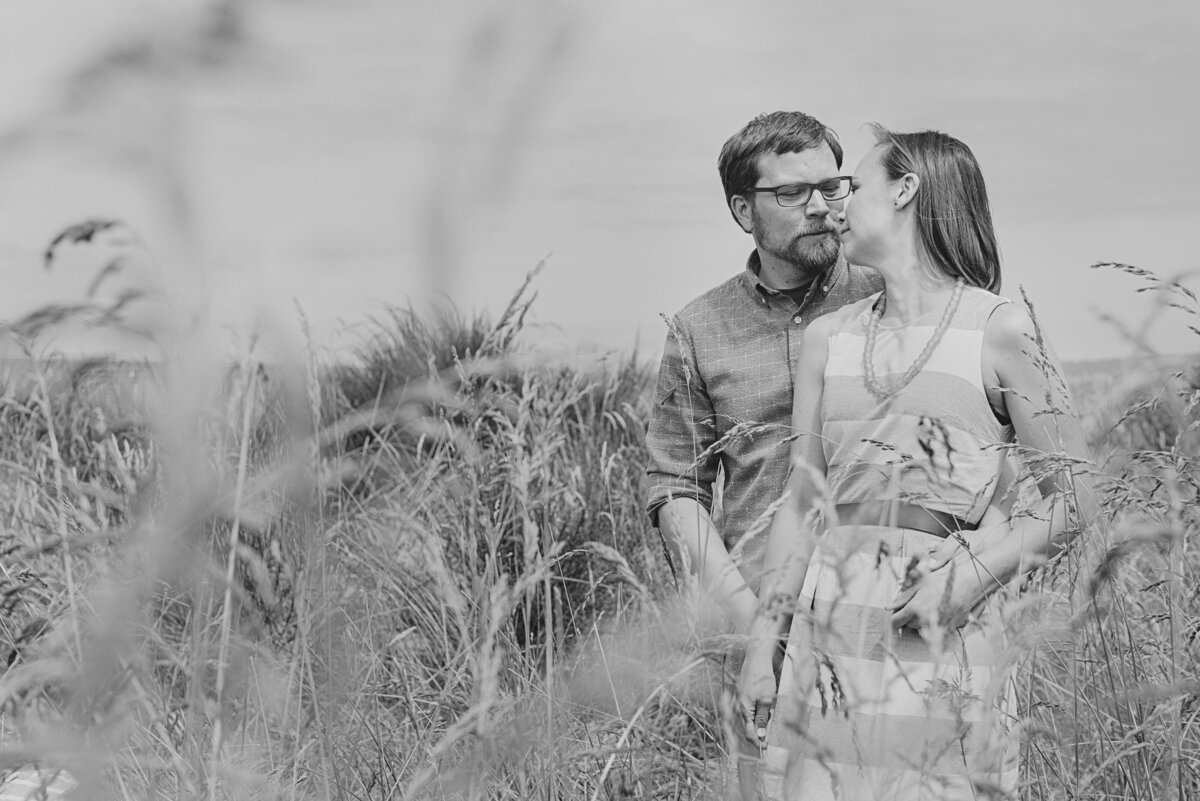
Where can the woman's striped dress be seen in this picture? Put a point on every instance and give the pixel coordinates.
(888, 715)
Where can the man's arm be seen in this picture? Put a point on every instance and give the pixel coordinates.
(689, 526)
(680, 476)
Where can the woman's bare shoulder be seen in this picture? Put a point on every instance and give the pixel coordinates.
(1011, 329)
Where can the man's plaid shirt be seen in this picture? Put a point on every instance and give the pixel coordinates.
(724, 398)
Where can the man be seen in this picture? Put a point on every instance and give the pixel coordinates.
(723, 404)
(724, 394)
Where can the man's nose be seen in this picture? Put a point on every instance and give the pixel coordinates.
(817, 206)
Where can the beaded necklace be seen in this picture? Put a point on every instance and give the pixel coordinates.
(873, 384)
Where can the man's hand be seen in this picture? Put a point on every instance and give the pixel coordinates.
(756, 694)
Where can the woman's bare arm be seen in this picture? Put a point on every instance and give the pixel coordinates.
(790, 541)
(1048, 431)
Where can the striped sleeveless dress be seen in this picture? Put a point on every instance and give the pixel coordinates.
(888, 715)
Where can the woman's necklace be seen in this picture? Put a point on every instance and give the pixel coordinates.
(873, 384)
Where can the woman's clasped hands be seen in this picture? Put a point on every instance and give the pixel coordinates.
(943, 589)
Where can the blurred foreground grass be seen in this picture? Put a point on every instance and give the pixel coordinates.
(428, 575)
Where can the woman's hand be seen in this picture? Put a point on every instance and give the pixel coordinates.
(918, 568)
(940, 590)
(919, 603)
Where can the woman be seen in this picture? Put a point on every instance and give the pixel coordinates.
(904, 405)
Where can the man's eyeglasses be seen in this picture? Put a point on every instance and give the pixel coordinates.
(799, 194)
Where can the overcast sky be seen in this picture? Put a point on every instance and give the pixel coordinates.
(343, 155)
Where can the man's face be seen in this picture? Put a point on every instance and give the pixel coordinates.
(805, 237)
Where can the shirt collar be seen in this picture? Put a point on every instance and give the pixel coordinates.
(822, 285)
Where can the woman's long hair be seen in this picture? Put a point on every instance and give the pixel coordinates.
(954, 219)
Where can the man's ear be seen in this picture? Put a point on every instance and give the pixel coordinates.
(740, 208)
(908, 186)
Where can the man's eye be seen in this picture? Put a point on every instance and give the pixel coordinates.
(791, 192)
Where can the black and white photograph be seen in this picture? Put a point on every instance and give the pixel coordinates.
(533, 399)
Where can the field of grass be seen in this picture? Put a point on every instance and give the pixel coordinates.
(428, 576)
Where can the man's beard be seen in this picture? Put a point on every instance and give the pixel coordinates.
(814, 254)
(810, 254)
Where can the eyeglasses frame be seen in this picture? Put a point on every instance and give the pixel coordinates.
(849, 182)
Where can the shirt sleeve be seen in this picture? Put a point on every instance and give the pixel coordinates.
(682, 462)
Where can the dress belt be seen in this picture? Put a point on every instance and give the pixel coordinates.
(902, 515)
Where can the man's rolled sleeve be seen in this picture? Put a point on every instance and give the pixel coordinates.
(681, 431)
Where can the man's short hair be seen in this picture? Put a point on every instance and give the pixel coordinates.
(776, 132)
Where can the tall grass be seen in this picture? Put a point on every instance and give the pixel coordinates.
(383, 580)
(427, 574)
(1111, 680)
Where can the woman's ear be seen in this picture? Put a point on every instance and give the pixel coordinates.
(907, 189)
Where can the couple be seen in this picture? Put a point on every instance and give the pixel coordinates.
(860, 386)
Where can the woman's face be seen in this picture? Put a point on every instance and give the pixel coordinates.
(870, 212)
